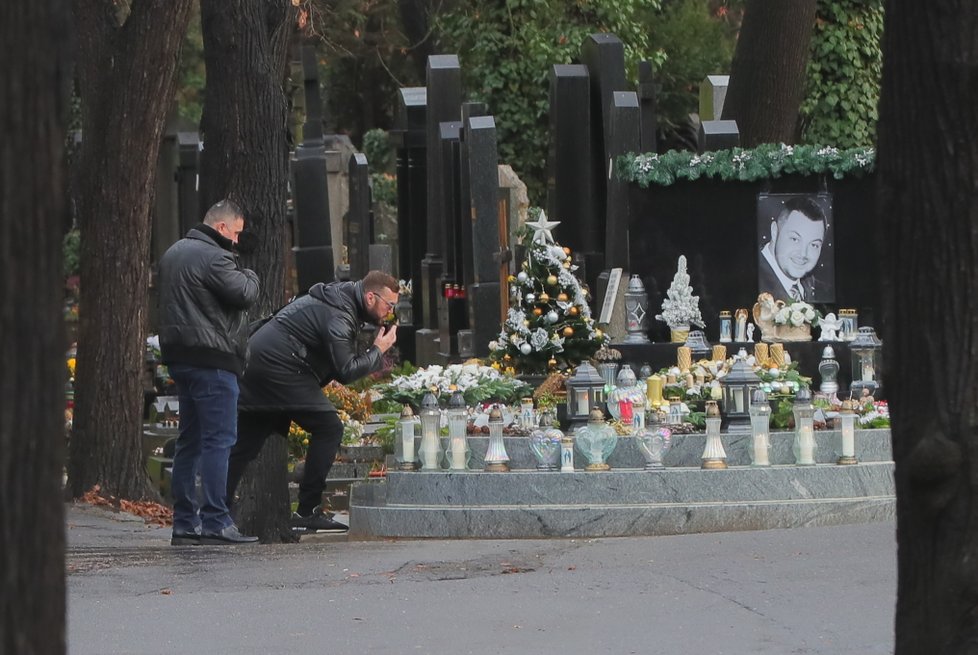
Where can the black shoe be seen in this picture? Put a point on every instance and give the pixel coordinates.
(317, 522)
(228, 536)
(185, 538)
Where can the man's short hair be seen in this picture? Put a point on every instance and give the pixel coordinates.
(804, 205)
(223, 210)
(376, 281)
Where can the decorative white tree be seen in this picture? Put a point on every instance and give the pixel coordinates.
(681, 308)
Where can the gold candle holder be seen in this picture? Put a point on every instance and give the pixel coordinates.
(684, 358)
(761, 353)
(719, 353)
(777, 354)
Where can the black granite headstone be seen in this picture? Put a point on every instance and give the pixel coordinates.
(408, 137)
(489, 265)
(444, 83)
(358, 233)
(464, 273)
(623, 137)
(604, 56)
(647, 107)
(310, 194)
(570, 175)
(451, 306)
(718, 135)
(188, 201)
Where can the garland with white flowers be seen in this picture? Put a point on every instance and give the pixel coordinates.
(770, 160)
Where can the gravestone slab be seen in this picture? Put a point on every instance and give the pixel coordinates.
(188, 144)
(313, 264)
(464, 272)
(380, 258)
(718, 135)
(570, 180)
(409, 140)
(713, 91)
(489, 264)
(358, 232)
(647, 107)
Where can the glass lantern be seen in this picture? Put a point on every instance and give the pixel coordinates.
(697, 344)
(804, 446)
(457, 454)
(737, 389)
(866, 351)
(608, 372)
(405, 443)
(497, 459)
(760, 428)
(626, 401)
(545, 443)
(653, 443)
(404, 311)
(714, 456)
(596, 441)
(584, 391)
(431, 453)
(847, 421)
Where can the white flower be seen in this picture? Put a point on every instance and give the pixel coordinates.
(538, 339)
(797, 318)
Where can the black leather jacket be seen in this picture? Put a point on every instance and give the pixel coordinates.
(308, 343)
(203, 298)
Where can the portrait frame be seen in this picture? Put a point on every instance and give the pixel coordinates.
(818, 283)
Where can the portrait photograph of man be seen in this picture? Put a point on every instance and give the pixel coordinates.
(795, 260)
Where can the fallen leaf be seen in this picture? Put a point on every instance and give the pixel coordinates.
(166, 591)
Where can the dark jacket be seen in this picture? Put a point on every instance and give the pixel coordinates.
(308, 343)
(203, 298)
(815, 289)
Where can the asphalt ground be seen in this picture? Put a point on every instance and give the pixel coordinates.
(828, 590)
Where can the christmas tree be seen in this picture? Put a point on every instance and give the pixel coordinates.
(681, 308)
(549, 325)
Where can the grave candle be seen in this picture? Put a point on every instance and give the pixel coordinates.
(684, 358)
(567, 455)
(407, 441)
(583, 405)
(458, 453)
(760, 352)
(777, 354)
(719, 353)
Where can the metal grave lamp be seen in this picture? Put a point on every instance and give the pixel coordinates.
(847, 419)
(867, 356)
(405, 445)
(584, 392)
(431, 453)
(497, 459)
(737, 388)
(636, 311)
(714, 456)
(627, 400)
(596, 441)
(404, 310)
(804, 446)
(828, 368)
(760, 428)
(458, 453)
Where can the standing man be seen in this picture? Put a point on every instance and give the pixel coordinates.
(203, 340)
(307, 344)
(787, 262)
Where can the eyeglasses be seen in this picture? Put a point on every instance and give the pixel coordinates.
(390, 305)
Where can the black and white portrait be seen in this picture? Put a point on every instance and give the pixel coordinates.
(795, 260)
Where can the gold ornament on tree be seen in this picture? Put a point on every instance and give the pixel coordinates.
(552, 280)
(544, 297)
(568, 331)
(537, 311)
(561, 297)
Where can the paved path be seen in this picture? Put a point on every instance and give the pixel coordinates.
(825, 590)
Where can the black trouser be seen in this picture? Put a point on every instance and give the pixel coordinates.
(325, 432)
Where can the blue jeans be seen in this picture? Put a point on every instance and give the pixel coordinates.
(208, 430)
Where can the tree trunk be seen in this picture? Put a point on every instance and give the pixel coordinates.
(126, 78)
(35, 39)
(767, 76)
(246, 158)
(928, 222)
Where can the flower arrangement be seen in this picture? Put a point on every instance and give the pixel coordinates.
(355, 405)
(476, 382)
(796, 314)
(681, 308)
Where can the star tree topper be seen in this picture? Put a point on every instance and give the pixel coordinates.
(542, 229)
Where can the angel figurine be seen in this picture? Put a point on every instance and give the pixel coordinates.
(830, 327)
